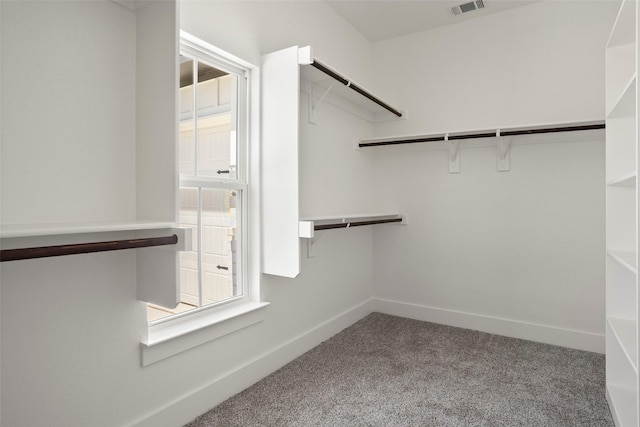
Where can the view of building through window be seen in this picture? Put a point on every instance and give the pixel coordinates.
(210, 186)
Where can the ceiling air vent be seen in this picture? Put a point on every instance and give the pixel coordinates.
(467, 7)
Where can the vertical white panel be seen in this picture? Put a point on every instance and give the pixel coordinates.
(156, 147)
(157, 276)
(156, 109)
(280, 207)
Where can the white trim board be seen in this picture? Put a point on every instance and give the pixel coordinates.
(181, 410)
(579, 340)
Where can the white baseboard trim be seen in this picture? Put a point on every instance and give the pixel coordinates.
(199, 401)
(579, 340)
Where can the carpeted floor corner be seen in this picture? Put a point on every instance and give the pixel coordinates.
(391, 371)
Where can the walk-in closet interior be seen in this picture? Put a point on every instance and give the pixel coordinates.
(196, 193)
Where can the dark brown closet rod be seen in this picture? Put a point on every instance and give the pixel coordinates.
(84, 248)
(484, 135)
(356, 88)
(355, 224)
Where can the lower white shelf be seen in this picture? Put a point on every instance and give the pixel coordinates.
(308, 226)
(626, 258)
(156, 244)
(625, 332)
(626, 180)
(622, 402)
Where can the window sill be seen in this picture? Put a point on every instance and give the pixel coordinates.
(172, 337)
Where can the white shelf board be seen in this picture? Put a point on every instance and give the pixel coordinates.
(351, 217)
(324, 81)
(491, 132)
(622, 402)
(625, 105)
(626, 258)
(626, 335)
(624, 29)
(625, 180)
(307, 225)
(8, 231)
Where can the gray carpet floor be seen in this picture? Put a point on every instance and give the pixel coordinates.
(391, 371)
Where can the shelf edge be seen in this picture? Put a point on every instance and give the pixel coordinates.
(621, 258)
(613, 322)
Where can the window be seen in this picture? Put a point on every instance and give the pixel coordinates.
(213, 200)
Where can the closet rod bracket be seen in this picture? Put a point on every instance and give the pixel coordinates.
(503, 151)
(454, 154)
(313, 104)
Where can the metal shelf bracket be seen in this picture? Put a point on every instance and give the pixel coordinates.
(454, 154)
(503, 151)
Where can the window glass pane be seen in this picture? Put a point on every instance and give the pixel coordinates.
(216, 139)
(220, 249)
(213, 146)
(208, 273)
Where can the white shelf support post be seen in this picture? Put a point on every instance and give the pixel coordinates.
(454, 155)
(503, 149)
(158, 270)
(280, 183)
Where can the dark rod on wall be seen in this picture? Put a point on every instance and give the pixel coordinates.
(354, 224)
(356, 88)
(84, 248)
(484, 135)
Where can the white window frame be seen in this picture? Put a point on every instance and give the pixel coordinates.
(178, 333)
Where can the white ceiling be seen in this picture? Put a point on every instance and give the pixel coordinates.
(384, 19)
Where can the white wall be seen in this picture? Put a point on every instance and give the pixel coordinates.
(250, 29)
(517, 253)
(68, 113)
(71, 327)
(536, 64)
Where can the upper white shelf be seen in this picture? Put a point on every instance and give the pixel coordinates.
(624, 29)
(329, 80)
(625, 104)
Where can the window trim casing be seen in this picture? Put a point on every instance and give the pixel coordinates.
(173, 335)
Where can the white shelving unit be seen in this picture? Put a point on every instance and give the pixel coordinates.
(622, 217)
(281, 74)
(156, 77)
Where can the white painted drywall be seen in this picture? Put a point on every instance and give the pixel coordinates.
(536, 64)
(71, 327)
(68, 112)
(511, 251)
